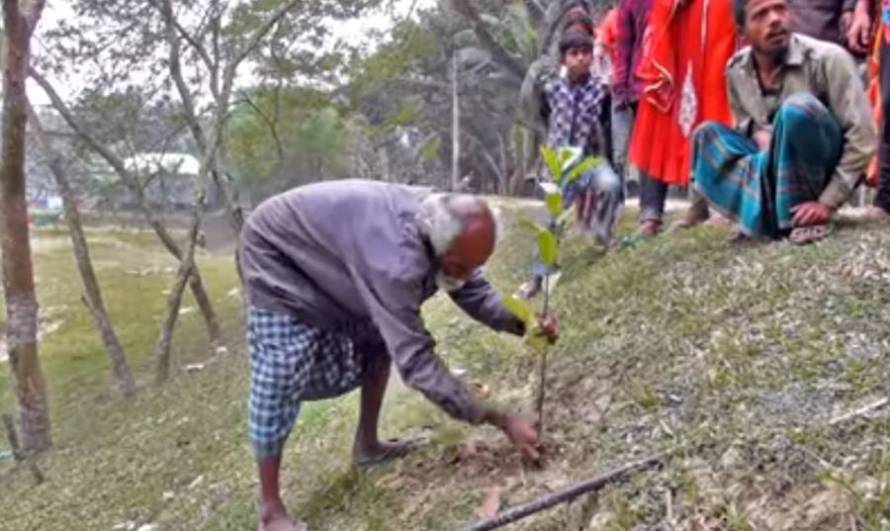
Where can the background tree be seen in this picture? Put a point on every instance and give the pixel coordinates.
(19, 19)
(122, 377)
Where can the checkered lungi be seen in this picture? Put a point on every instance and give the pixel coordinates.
(758, 189)
(290, 362)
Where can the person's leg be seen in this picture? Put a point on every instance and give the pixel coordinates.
(367, 442)
(279, 370)
(622, 124)
(760, 189)
(727, 169)
(653, 195)
(368, 449)
(606, 191)
(882, 199)
(804, 152)
(697, 213)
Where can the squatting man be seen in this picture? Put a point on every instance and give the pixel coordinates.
(335, 274)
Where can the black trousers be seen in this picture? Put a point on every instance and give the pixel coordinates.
(653, 196)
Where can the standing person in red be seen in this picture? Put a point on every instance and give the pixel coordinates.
(631, 20)
(859, 37)
(686, 48)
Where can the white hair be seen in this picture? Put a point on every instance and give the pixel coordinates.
(442, 225)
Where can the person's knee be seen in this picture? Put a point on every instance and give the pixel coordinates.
(800, 108)
(608, 182)
(706, 131)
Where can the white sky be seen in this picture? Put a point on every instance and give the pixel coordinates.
(57, 10)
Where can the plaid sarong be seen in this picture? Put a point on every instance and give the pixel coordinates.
(757, 188)
(290, 362)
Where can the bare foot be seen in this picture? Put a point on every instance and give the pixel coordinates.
(688, 221)
(649, 228)
(739, 238)
(718, 220)
(273, 517)
(366, 456)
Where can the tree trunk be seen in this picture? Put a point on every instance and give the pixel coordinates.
(455, 126)
(123, 378)
(18, 272)
(187, 262)
(174, 301)
(526, 160)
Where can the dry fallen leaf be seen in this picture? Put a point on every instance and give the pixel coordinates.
(480, 390)
(491, 503)
(467, 451)
(391, 481)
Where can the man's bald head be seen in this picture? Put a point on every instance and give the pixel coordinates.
(462, 230)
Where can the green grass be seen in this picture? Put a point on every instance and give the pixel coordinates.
(682, 340)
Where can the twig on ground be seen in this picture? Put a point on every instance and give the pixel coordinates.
(566, 494)
(868, 408)
(669, 507)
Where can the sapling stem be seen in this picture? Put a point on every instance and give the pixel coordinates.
(542, 384)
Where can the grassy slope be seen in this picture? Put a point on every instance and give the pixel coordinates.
(738, 355)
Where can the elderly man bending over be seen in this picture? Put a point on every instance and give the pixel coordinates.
(335, 275)
(804, 130)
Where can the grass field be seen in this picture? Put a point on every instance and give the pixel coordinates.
(739, 358)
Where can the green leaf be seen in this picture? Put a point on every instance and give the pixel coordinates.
(552, 161)
(554, 205)
(529, 224)
(568, 156)
(521, 309)
(536, 343)
(553, 197)
(548, 247)
(584, 166)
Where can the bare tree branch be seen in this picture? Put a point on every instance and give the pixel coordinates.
(31, 11)
(200, 50)
(175, 64)
(513, 66)
(273, 127)
(258, 36)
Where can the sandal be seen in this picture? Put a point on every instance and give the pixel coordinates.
(807, 235)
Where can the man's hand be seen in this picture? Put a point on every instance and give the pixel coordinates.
(811, 213)
(523, 434)
(859, 30)
(763, 137)
(520, 430)
(548, 326)
(846, 21)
